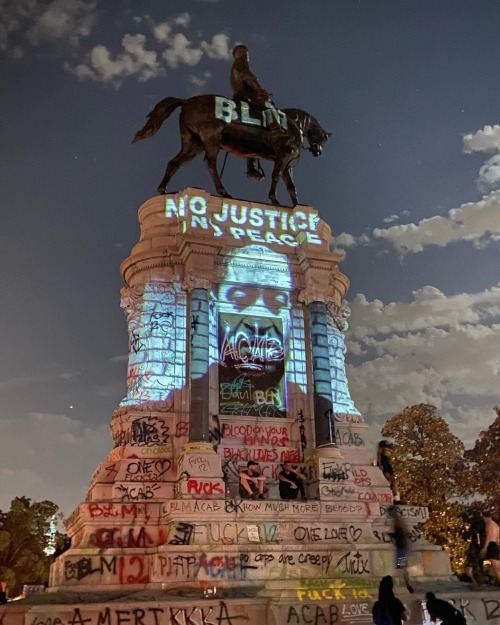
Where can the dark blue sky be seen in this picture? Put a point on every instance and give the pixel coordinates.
(398, 83)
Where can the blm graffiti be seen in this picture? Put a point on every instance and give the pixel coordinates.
(251, 366)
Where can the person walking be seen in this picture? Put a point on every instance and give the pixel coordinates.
(402, 544)
(388, 609)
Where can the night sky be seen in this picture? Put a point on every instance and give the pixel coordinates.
(408, 182)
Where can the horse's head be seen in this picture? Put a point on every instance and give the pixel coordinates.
(317, 137)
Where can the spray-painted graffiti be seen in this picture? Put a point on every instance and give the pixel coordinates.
(207, 613)
(332, 491)
(119, 569)
(180, 533)
(121, 511)
(408, 512)
(204, 487)
(243, 454)
(345, 508)
(144, 470)
(133, 537)
(258, 434)
(145, 431)
(313, 614)
(346, 438)
(140, 492)
(302, 431)
(216, 431)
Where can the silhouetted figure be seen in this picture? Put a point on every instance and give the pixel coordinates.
(438, 608)
(467, 576)
(402, 544)
(385, 465)
(3, 592)
(388, 610)
(291, 482)
(491, 549)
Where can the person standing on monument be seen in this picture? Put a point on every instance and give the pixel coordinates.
(385, 465)
(246, 87)
(491, 549)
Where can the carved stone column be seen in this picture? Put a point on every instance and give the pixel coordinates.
(199, 360)
(314, 298)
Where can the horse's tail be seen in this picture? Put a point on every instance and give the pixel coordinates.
(157, 116)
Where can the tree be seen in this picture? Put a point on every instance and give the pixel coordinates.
(26, 538)
(484, 467)
(429, 467)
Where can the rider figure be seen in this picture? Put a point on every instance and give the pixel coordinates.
(246, 87)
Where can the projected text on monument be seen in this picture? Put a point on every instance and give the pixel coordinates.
(239, 220)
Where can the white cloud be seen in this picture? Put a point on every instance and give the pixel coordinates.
(343, 240)
(434, 349)
(489, 174)
(429, 308)
(485, 140)
(200, 80)
(180, 51)
(477, 222)
(218, 48)
(49, 456)
(390, 219)
(168, 48)
(162, 30)
(134, 61)
(32, 22)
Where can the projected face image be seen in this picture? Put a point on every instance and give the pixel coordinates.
(251, 341)
(248, 297)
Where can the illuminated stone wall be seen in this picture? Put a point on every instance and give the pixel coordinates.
(225, 301)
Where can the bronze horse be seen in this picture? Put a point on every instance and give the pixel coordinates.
(202, 131)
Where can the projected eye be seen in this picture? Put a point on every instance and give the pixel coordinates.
(276, 299)
(236, 295)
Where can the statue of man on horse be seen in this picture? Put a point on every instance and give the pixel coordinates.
(246, 87)
(209, 123)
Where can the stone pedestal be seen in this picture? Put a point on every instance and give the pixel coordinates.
(224, 301)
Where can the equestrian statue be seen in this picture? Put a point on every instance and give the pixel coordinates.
(248, 126)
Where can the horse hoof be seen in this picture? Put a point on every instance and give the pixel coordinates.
(161, 190)
(226, 195)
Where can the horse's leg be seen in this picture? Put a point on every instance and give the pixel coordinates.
(288, 180)
(190, 148)
(210, 160)
(278, 169)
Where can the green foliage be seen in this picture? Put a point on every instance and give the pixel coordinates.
(24, 541)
